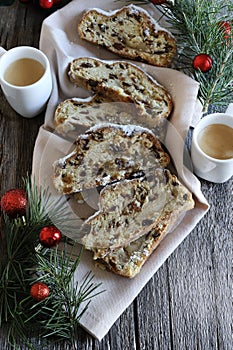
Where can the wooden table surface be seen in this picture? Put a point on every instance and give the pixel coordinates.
(188, 302)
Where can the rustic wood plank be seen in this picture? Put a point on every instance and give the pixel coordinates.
(122, 335)
(153, 313)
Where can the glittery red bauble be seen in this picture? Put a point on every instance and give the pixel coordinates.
(49, 236)
(226, 27)
(39, 291)
(203, 62)
(46, 4)
(158, 2)
(14, 202)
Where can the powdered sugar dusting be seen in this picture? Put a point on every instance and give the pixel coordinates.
(127, 129)
(133, 9)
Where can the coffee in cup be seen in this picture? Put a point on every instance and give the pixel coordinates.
(216, 140)
(26, 80)
(212, 147)
(24, 71)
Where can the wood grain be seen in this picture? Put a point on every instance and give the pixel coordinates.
(188, 302)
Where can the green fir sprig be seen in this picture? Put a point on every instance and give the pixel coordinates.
(198, 28)
(57, 317)
(26, 262)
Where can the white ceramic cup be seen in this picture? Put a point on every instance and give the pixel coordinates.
(28, 100)
(204, 166)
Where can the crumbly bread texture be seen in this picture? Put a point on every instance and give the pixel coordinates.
(127, 261)
(74, 116)
(124, 82)
(129, 32)
(106, 154)
(131, 208)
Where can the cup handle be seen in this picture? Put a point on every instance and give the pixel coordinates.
(230, 109)
(2, 51)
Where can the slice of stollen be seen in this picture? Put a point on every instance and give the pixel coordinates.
(131, 208)
(130, 32)
(124, 82)
(74, 116)
(127, 261)
(106, 154)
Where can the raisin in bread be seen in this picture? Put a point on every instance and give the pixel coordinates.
(74, 116)
(124, 82)
(108, 153)
(131, 208)
(127, 261)
(130, 32)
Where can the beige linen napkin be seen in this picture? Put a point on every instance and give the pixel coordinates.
(60, 41)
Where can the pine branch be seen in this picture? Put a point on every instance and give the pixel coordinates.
(27, 262)
(18, 256)
(60, 313)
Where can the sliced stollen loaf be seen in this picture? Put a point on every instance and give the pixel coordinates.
(130, 32)
(127, 261)
(131, 208)
(124, 82)
(74, 116)
(108, 153)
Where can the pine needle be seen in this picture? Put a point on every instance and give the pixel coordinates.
(26, 262)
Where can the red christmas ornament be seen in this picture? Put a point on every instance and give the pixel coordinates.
(226, 28)
(158, 2)
(14, 202)
(39, 291)
(203, 62)
(49, 236)
(46, 4)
